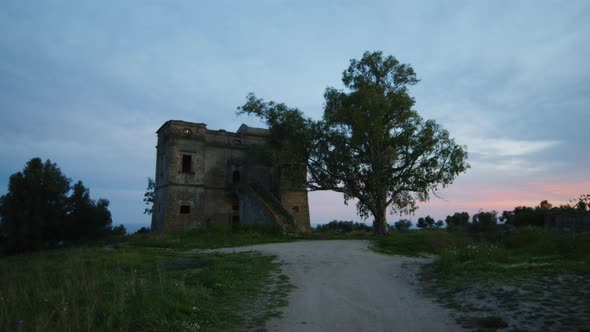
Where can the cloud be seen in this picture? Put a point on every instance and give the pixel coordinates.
(87, 84)
(506, 147)
(562, 189)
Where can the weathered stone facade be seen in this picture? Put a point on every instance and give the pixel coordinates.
(203, 178)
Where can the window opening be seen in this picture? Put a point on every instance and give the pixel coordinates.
(185, 209)
(186, 163)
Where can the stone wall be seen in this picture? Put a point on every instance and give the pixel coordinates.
(295, 202)
(199, 171)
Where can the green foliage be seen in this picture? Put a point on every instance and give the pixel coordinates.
(86, 218)
(143, 230)
(290, 139)
(119, 230)
(370, 145)
(418, 243)
(148, 197)
(427, 222)
(376, 148)
(338, 226)
(130, 289)
(291, 133)
(523, 216)
(518, 252)
(37, 211)
(582, 202)
(483, 221)
(402, 225)
(457, 221)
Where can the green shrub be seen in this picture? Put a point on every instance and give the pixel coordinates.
(402, 225)
(338, 226)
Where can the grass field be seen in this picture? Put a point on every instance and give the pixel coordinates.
(213, 237)
(143, 284)
(522, 280)
(527, 279)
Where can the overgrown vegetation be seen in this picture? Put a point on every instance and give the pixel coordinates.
(340, 230)
(525, 278)
(137, 289)
(212, 237)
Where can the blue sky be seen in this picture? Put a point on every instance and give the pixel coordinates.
(87, 84)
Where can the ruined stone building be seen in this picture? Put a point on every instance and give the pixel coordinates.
(203, 178)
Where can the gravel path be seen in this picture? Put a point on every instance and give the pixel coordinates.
(344, 286)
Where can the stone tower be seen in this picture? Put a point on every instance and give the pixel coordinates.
(203, 178)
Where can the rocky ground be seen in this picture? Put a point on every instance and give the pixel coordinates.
(532, 303)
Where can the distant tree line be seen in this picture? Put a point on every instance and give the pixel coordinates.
(489, 221)
(42, 209)
(339, 226)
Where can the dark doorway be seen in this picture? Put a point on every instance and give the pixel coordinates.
(235, 207)
(235, 204)
(235, 220)
(236, 177)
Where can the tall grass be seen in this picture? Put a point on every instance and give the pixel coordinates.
(212, 237)
(521, 252)
(518, 251)
(417, 243)
(93, 289)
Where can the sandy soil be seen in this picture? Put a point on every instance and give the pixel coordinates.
(341, 285)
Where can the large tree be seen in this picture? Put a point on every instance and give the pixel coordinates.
(370, 145)
(37, 211)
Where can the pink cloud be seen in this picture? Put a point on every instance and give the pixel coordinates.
(563, 190)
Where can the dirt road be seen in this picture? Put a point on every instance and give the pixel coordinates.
(344, 286)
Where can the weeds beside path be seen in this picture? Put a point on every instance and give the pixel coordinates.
(140, 288)
(527, 280)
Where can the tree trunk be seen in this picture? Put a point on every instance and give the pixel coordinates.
(380, 223)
